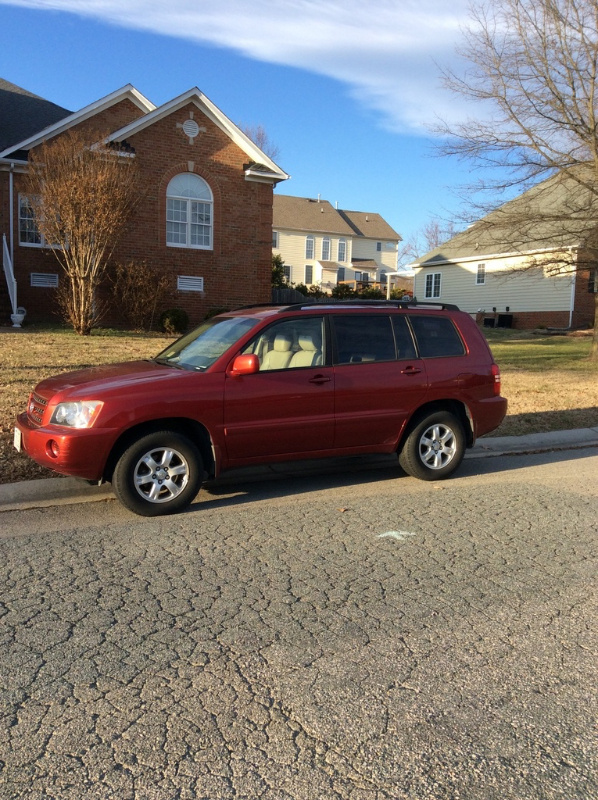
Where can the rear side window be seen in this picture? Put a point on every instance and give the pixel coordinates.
(436, 337)
(361, 338)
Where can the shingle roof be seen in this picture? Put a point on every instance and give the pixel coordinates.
(22, 114)
(371, 226)
(558, 212)
(305, 214)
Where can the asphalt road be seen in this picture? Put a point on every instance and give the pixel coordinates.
(349, 635)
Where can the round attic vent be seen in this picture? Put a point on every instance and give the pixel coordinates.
(190, 128)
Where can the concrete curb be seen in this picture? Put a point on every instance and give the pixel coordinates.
(67, 491)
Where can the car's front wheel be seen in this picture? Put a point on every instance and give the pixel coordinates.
(160, 473)
(434, 448)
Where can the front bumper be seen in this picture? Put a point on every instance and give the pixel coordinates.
(80, 452)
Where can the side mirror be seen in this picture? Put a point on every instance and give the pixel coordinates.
(244, 365)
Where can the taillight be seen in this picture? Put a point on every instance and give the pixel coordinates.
(496, 376)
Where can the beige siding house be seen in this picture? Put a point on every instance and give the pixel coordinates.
(322, 246)
(524, 265)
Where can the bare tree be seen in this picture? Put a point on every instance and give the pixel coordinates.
(82, 196)
(533, 74)
(258, 135)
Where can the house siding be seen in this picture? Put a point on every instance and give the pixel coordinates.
(532, 296)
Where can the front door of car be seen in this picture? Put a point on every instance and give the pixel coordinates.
(379, 380)
(287, 408)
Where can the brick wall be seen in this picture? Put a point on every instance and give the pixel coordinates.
(236, 271)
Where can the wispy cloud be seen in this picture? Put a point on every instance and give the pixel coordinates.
(385, 51)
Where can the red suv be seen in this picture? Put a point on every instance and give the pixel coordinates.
(272, 383)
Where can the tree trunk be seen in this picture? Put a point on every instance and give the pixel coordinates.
(594, 350)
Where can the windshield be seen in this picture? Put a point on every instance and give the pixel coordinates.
(200, 348)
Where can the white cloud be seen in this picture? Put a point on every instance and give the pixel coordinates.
(386, 51)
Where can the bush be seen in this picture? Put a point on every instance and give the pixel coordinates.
(138, 288)
(343, 291)
(175, 320)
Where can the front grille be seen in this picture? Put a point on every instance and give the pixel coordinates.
(35, 409)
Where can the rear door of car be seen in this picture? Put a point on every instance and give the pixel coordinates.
(379, 380)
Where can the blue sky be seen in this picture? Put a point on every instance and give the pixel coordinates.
(344, 88)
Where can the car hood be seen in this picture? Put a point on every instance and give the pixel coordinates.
(102, 380)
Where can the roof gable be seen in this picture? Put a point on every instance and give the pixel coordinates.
(260, 168)
(127, 92)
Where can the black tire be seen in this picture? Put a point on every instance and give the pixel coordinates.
(434, 448)
(161, 473)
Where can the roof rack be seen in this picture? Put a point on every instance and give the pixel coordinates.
(371, 303)
(323, 303)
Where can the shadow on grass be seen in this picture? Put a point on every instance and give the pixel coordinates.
(546, 421)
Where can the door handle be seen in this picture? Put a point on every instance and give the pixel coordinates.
(411, 371)
(320, 379)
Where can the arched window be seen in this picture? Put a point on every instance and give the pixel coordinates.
(189, 216)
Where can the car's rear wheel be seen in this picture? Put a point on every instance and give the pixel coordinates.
(160, 473)
(434, 448)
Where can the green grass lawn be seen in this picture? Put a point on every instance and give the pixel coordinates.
(514, 349)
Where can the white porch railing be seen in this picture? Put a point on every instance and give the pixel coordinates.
(9, 274)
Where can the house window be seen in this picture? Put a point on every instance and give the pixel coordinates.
(29, 234)
(275, 239)
(365, 276)
(383, 278)
(593, 281)
(189, 205)
(326, 249)
(342, 250)
(287, 272)
(309, 247)
(340, 275)
(309, 274)
(433, 282)
(379, 246)
(481, 276)
(358, 276)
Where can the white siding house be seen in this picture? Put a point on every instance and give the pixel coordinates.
(524, 265)
(321, 245)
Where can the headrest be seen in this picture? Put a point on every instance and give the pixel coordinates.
(282, 343)
(309, 341)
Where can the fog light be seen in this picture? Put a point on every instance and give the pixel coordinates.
(53, 448)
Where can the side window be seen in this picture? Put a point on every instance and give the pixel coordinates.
(403, 338)
(436, 337)
(290, 344)
(361, 339)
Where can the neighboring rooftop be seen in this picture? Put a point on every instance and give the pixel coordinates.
(23, 114)
(319, 216)
(370, 226)
(557, 213)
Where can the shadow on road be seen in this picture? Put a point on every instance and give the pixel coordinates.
(299, 478)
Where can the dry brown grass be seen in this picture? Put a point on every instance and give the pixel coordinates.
(542, 396)
(28, 356)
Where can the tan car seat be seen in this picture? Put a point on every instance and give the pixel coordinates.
(280, 356)
(310, 354)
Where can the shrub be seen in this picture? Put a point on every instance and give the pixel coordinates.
(174, 320)
(343, 291)
(138, 288)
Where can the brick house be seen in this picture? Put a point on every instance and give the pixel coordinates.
(206, 215)
(524, 265)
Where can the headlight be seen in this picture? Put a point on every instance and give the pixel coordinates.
(77, 415)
